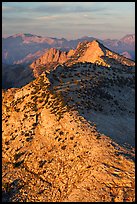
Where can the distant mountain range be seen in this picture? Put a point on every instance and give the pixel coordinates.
(25, 48)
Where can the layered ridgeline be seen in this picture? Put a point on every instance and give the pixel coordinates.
(93, 52)
(25, 48)
(19, 75)
(69, 134)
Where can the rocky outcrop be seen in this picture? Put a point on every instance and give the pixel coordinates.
(51, 58)
(71, 53)
(93, 52)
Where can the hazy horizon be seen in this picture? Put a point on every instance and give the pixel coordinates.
(69, 20)
(6, 36)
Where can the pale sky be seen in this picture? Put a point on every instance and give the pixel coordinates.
(69, 20)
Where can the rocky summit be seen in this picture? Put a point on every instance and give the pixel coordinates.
(93, 52)
(69, 135)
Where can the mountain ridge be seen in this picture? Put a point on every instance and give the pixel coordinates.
(93, 51)
(35, 43)
(54, 147)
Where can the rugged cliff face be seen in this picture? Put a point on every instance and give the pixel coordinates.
(50, 59)
(94, 52)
